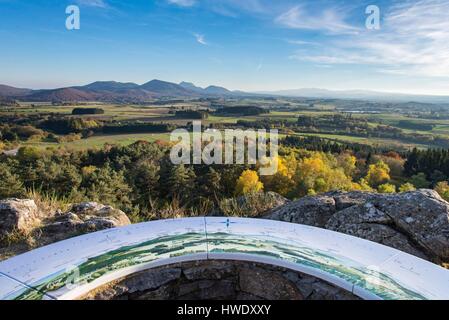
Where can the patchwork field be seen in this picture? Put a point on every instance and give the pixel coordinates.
(413, 130)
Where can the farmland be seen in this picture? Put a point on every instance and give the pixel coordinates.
(406, 128)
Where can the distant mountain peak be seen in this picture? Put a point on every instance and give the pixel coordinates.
(110, 86)
(217, 90)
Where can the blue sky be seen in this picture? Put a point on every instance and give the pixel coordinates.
(240, 44)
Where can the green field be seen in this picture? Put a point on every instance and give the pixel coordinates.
(375, 142)
(97, 142)
(165, 114)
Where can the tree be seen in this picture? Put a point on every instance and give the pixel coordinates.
(420, 181)
(144, 178)
(362, 185)
(108, 186)
(348, 163)
(282, 181)
(209, 184)
(378, 174)
(319, 172)
(10, 183)
(248, 183)
(181, 183)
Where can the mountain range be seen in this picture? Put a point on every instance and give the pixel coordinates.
(115, 91)
(112, 91)
(358, 95)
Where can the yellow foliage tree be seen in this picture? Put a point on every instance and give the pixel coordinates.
(378, 174)
(347, 162)
(282, 181)
(248, 183)
(362, 185)
(319, 173)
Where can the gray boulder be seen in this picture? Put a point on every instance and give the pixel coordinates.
(313, 211)
(18, 215)
(415, 222)
(86, 217)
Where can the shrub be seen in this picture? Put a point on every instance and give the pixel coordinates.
(407, 187)
(443, 190)
(386, 188)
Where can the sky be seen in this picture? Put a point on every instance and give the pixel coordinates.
(251, 45)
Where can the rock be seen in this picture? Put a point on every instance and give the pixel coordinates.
(151, 280)
(416, 222)
(86, 217)
(313, 211)
(248, 281)
(254, 281)
(18, 215)
(213, 271)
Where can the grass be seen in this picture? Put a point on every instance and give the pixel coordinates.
(97, 142)
(381, 142)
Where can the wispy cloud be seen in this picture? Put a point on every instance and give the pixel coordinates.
(300, 42)
(260, 65)
(92, 3)
(200, 38)
(183, 3)
(229, 8)
(330, 20)
(414, 40)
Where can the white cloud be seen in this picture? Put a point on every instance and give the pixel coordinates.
(330, 20)
(183, 3)
(200, 39)
(300, 42)
(413, 40)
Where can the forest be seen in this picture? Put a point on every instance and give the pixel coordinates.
(141, 180)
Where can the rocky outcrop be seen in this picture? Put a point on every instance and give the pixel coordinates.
(23, 226)
(215, 280)
(18, 215)
(415, 222)
(85, 217)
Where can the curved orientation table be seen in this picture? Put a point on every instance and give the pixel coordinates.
(70, 269)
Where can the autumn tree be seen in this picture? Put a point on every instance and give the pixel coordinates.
(282, 181)
(319, 173)
(248, 183)
(378, 174)
(348, 163)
